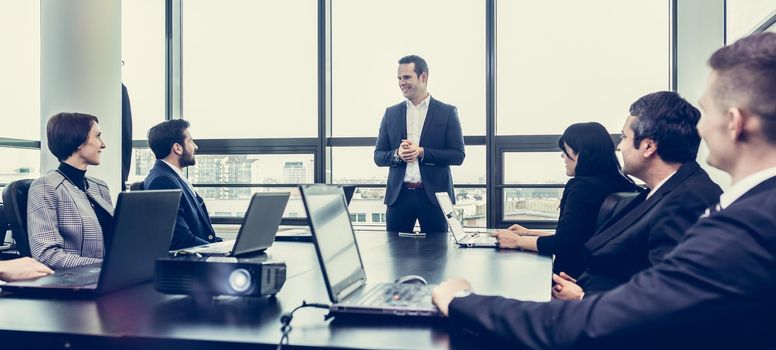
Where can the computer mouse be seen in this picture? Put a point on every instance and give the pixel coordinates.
(411, 279)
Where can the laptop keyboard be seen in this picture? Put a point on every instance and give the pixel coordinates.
(398, 295)
(223, 247)
(77, 276)
(80, 280)
(480, 238)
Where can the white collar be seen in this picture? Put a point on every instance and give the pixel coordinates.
(744, 185)
(661, 183)
(175, 168)
(423, 103)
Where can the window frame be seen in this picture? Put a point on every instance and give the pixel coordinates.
(321, 146)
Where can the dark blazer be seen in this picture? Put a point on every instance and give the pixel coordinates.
(126, 135)
(715, 290)
(442, 142)
(192, 227)
(646, 230)
(582, 198)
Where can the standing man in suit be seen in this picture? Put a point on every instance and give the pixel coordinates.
(419, 139)
(174, 149)
(716, 288)
(659, 146)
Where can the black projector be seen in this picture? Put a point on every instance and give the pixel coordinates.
(220, 275)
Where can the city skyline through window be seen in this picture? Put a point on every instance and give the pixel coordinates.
(244, 87)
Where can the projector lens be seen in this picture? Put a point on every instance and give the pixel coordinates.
(240, 280)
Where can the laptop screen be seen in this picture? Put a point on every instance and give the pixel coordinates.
(260, 223)
(143, 225)
(446, 205)
(349, 190)
(334, 238)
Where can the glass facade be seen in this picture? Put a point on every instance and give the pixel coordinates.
(275, 111)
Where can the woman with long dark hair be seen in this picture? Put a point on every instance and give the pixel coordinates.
(587, 150)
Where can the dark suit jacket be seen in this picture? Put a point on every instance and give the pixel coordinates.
(582, 198)
(441, 139)
(646, 230)
(192, 227)
(126, 135)
(715, 290)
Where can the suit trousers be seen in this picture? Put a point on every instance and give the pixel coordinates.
(413, 204)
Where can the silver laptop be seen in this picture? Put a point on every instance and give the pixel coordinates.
(141, 231)
(303, 233)
(257, 232)
(480, 239)
(343, 271)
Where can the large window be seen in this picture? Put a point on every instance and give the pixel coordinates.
(472, 171)
(745, 15)
(19, 90)
(532, 204)
(143, 53)
(231, 202)
(248, 75)
(575, 61)
(142, 162)
(249, 68)
(227, 182)
(471, 202)
(20, 69)
(534, 168)
(369, 201)
(354, 165)
(19, 164)
(369, 37)
(252, 169)
(540, 201)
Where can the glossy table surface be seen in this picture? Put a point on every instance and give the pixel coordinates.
(142, 317)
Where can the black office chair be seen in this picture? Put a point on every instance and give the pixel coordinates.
(15, 203)
(3, 225)
(612, 204)
(137, 186)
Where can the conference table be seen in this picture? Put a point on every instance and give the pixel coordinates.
(141, 317)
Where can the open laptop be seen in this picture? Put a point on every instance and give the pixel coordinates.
(462, 238)
(303, 233)
(142, 228)
(343, 270)
(257, 232)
